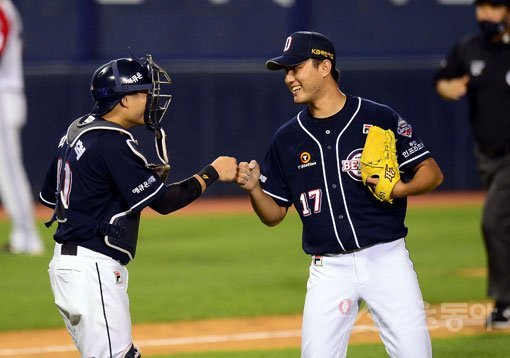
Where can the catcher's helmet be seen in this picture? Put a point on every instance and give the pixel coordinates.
(112, 81)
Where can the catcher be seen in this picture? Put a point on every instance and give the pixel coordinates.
(98, 183)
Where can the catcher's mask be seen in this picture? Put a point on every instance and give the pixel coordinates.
(112, 81)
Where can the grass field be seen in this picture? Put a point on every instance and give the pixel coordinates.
(210, 266)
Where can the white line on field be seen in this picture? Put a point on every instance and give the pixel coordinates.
(7, 352)
(162, 342)
(219, 338)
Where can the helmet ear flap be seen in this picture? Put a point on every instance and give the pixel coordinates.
(106, 105)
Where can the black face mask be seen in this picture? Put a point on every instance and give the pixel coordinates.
(491, 29)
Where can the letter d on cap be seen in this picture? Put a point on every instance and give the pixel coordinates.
(287, 43)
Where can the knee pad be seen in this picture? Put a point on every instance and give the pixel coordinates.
(133, 352)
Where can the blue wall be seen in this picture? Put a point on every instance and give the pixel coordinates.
(224, 101)
(77, 30)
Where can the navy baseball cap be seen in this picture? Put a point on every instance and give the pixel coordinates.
(301, 46)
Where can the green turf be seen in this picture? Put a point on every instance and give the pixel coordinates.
(219, 266)
(442, 243)
(195, 267)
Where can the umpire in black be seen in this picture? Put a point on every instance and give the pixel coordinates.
(479, 67)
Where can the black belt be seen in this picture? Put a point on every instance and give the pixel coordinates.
(351, 251)
(72, 250)
(69, 249)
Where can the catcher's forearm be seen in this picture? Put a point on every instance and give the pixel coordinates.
(427, 177)
(177, 196)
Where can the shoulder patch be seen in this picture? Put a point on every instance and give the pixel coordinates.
(404, 128)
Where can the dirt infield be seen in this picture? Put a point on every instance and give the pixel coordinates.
(452, 319)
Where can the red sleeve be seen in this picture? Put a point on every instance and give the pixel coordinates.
(4, 30)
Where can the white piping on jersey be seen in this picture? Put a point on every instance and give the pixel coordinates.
(100, 127)
(147, 198)
(46, 201)
(276, 196)
(413, 159)
(339, 170)
(141, 156)
(324, 178)
(137, 153)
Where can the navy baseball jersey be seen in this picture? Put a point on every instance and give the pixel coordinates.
(103, 179)
(314, 164)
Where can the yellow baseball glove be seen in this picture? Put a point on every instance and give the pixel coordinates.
(379, 159)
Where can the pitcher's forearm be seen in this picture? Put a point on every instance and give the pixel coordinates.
(269, 212)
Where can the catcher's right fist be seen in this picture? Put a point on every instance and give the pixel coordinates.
(379, 160)
(226, 168)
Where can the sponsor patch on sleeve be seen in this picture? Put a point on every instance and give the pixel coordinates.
(404, 128)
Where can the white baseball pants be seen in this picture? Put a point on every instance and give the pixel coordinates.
(90, 292)
(383, 276)
(15, 189)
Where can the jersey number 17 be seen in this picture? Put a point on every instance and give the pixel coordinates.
(315, 198)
